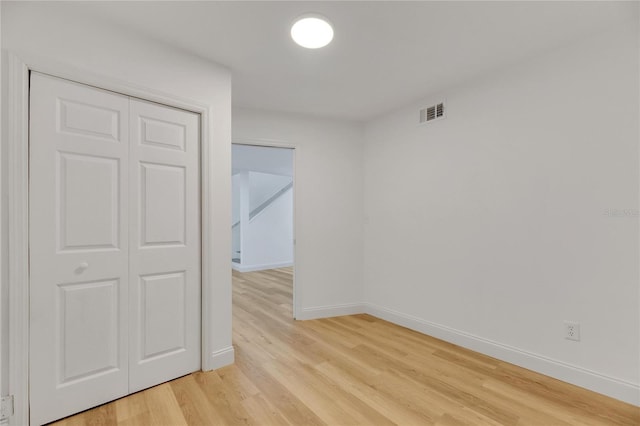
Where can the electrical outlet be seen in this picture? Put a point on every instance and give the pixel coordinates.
(6, 407)
(572, 331)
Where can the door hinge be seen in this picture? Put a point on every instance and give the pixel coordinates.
(6, 407)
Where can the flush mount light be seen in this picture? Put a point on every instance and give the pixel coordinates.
(312, 31)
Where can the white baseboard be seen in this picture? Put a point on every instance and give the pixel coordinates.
(329, 311)
(252, 268)
(221, 358)
(606, 385)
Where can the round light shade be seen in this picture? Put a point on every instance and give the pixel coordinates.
(312, 31)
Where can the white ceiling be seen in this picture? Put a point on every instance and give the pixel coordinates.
(384, 54)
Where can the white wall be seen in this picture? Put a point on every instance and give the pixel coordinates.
(53, 32)
(491, 227)
(262, 186)
(328, 205)
(268, 240)
(265, 240)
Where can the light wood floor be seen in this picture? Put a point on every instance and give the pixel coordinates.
(351, 370)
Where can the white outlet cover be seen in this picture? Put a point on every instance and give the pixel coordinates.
(572, 331)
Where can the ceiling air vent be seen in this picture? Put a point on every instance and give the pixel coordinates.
(431, 113)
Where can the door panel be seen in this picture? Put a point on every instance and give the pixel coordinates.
(165, 244)
(88, 120)
(163, 314)
(82, 306)
(78, 247)
(88, 201)
(162, 134)
(162, 188)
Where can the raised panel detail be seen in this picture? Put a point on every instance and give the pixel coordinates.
(162, 314)
(162, 134)
(88, 120)
(163, 199)
(87, 330)
(88, 202)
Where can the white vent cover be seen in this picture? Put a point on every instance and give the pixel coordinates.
(431, 113)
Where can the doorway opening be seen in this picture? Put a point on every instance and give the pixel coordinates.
(262, 251)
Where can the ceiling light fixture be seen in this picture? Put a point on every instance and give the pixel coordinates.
(312, 31)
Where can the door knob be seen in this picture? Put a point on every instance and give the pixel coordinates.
(81, 267)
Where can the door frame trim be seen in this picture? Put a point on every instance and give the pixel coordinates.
(297, 291)
(18, 210)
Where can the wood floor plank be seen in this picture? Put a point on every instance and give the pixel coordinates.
(351, 370)
(284, 401)
(393, 408)
(193, 402)
(262, 412)
(163, 406)
(134, 406)
(226, 403)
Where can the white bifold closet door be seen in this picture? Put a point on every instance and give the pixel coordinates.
(114, 246)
